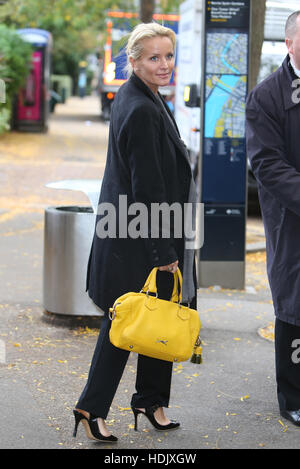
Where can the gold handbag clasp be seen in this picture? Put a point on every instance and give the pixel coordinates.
(147, 293)
(112, 311)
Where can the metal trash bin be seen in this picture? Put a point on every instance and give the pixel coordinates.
(68, 234)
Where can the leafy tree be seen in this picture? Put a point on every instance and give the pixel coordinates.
(15, 59)
(77, 26)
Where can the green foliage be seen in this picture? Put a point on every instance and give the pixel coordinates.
(4, 119)
(77, 26)
(15, 62)
(170, 6)
(68, 22)
(15, 59)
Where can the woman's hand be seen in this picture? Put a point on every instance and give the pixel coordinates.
(169, 268)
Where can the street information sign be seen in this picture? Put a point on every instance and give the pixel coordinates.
(224, 161)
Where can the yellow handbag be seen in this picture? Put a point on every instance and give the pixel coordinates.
(157, 328)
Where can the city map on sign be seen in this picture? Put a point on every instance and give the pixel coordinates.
(226, 85)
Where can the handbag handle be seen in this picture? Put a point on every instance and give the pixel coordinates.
(150, 285)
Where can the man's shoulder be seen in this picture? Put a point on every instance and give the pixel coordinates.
(269, 82)
(268, 91)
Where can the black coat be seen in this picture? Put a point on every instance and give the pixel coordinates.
(273, 142)
(147, 162)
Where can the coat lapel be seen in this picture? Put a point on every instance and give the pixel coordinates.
(142, 86)
(171, 129)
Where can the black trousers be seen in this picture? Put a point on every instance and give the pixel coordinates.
(287, 357)
(153, 378)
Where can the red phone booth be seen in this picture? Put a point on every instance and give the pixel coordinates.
(31, 106)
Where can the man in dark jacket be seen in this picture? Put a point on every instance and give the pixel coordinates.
(273, 144)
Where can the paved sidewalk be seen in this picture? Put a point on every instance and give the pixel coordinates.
(227, 402)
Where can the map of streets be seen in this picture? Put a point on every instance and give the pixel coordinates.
(226, 85)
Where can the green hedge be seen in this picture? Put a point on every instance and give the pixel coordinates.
(15, 62)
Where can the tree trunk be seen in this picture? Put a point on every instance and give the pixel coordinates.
(146, 10)
(257, 39)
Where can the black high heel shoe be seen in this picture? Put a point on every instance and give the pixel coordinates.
(149, 413)
(91, 428)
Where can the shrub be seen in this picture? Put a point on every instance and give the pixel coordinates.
(15, 62)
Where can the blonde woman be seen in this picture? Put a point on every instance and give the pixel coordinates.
(147, 163)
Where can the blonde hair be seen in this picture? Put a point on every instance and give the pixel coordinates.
(143, 31)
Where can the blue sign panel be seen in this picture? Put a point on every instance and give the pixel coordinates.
(225, 92)
(224, 159)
